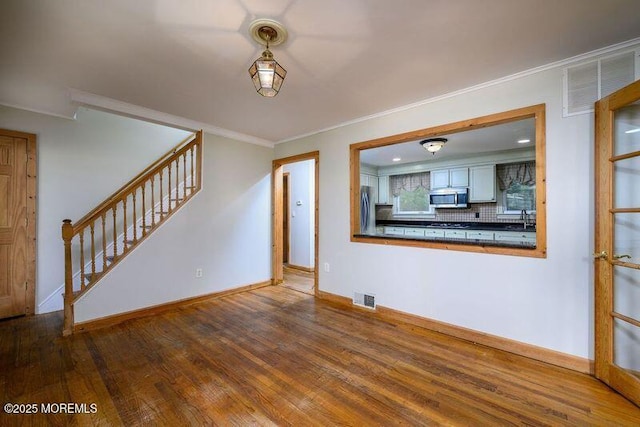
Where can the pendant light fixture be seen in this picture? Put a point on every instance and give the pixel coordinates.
(433, 145)
(267, 75)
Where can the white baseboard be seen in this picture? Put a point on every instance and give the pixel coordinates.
(54, 302)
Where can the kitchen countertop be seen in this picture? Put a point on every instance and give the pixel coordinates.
(489, 226)
(492, 243)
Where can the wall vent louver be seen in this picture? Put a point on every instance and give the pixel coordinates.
(585, 83)
(364, 300)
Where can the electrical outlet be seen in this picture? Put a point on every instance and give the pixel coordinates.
(198, 272)
(327, 267)
(477, 214)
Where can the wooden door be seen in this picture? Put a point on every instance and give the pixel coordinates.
(17, 240)
(617, 265)
(286, 236)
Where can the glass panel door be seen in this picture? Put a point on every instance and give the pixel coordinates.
(617, 287)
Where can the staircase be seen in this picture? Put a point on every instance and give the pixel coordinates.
(105, 236)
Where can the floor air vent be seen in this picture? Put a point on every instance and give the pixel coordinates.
(364, 300)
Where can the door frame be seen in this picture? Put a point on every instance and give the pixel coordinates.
(605, 369)
(286, 237)
(276, 203)
(32, 162)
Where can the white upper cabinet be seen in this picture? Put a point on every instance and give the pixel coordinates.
(383, 189)
(459, 177)
(482, 183)
(443, 178)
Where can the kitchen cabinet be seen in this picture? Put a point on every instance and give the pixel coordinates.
(516, 236)
(394, 231)
(370, 181)
(443, 178)
(383, 190)
(482, 183)
(433, 234)
(455, 234)
(480, 235)
(415, 232)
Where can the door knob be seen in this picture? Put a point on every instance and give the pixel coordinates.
(621, 256)
(600, 255)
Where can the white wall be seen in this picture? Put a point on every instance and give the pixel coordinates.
(225, 230)
(80, 163)
(544, 302)
(301, 217)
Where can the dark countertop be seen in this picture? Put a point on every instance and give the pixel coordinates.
(492, 243)
(490, 226)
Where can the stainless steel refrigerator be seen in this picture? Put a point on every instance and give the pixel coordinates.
(367, 210)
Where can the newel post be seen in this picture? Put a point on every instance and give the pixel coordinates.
(67, 235)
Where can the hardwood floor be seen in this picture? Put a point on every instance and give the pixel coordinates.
(298, 280)
(274, 356)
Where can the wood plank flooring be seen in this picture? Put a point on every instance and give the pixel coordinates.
(274, 356)
(298, 280)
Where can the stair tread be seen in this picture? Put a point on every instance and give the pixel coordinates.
(90, 276)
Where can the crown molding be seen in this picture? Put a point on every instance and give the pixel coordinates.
(111, 105)
(562, 63)
(38, 111)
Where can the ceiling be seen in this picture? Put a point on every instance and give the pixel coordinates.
(459, 145)
(345, 59)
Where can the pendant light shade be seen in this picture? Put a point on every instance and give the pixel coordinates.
(266, 74)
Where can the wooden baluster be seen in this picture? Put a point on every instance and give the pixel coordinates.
(124, 223)
(169, 188)
(135, 221)
(184, 175)
(104, 241)
(93, 251)
(67, 236)
(177, 196)
(143, 213)
(161, 195)
(199, 162)
(191, 184)
(153, 201)
(115, 233)
(82, 278)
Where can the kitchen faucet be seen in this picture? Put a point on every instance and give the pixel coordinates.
(524, 216)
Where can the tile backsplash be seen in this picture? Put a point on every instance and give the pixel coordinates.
(486, 213)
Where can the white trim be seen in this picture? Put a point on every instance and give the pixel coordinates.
(542, 68)
(82, 98)
(47, 306)
(35, 110)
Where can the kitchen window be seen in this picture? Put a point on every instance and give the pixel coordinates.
(411, 194)
(517, 184)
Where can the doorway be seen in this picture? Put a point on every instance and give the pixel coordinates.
(617, 241)
(286, 237)
(302, 258)
(17, 223)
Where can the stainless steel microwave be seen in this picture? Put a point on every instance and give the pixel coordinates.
(449, 197)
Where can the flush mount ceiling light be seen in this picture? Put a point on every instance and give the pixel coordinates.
(267, 75)
(433, 144)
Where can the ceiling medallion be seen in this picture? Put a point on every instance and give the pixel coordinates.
(267, 75)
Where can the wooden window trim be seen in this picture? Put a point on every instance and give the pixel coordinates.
(535, 111)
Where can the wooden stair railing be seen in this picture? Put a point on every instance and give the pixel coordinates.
(103, 237)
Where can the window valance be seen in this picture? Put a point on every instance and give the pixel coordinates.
(409, 182)
(521, 173)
